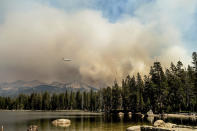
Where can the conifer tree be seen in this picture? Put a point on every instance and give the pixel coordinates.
(116, 96)
(140, 91)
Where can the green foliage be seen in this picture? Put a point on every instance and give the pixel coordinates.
(116, 97)
(107, 99)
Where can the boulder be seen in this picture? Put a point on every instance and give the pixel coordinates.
(169, 125)
(130, 113)
(61, 122)
(121, 114)
(150, 113)
(159, 123)
(66, 121)
(148, 128)
(134, 128)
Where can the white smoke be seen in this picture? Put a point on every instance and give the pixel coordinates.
(34, 41)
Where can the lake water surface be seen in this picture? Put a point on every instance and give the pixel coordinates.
(80, 121)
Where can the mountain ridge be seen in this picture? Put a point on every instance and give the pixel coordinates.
(28, 87)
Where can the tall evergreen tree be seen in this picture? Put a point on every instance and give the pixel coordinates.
(78, 100)
(132, 95)
(158, 86)
(116, 96)
(107, 98)
(147, 93)
(140, 92)
(54, 102)
(194, 57)
(126, 93)
(92, 101)
(72, 103)
(66, 100)
(46, 101)
(61, 102)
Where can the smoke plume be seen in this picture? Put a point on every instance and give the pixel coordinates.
(34, 41)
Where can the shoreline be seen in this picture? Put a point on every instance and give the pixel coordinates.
(170, 115)
(180, 116)
(60, 111)
(186, 116)
(152, 128)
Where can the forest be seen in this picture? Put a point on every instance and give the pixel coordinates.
(170, 90)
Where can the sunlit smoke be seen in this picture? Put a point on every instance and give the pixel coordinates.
(33, 43)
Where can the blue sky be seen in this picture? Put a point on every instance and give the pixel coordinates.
(115, 10)
(111, 9)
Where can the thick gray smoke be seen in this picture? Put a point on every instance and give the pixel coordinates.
(33, 43)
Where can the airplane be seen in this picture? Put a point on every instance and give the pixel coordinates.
(64, 59)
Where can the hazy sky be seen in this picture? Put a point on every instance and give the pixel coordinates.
(106, 39)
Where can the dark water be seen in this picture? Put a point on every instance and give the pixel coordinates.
(80, 121)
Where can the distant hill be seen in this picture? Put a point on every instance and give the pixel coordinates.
(28, 87)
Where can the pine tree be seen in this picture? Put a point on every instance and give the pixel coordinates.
(125, 93)
(194, 62)
(147, 93)
(85, 101)
(66, 100)
(116, 95)
(190, 95)
(46, 101)
(107, 97)
(92, 101)
(182, 83)
(72, 102)
(78, 100)
(132, 95)
(54, 102)
(61, 101)
(140, 92)
(158, 86)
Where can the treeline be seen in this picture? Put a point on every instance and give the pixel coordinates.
(45, 101)
(169, 90)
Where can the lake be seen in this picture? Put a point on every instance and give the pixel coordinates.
(80, 121)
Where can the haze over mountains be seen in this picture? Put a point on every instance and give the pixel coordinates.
(27, 87)
(104, 39)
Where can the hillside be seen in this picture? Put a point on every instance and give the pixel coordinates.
(28, 87)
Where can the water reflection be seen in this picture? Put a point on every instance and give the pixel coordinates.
(20, 121)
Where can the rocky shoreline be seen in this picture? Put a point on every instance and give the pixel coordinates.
(171, 115)
(160, 125)
(180, 115)
(151, 128)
